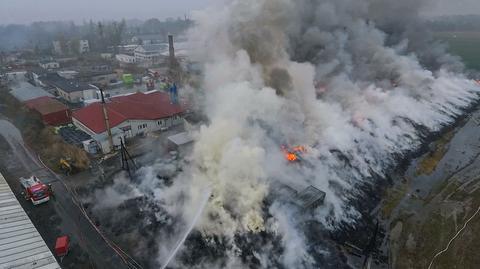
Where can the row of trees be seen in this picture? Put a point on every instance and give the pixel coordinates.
(101, 35)
(455, 23)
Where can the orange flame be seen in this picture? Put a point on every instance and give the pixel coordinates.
(291, 155)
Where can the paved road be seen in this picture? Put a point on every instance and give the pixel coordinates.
(62, 212)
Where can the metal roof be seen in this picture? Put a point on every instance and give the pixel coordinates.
(181, 139)
(311, 197)
(24, 91)
(21, 246)
(138, 106)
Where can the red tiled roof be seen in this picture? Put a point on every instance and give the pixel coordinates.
(46, 105)
(138, 106)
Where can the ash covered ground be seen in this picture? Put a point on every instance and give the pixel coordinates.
(359, 84)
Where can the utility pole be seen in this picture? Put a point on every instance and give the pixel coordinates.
(126, 158)
(107, 123)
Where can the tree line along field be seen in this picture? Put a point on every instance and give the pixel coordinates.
(464, 44)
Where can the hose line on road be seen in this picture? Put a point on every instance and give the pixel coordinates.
(129, 261)
(453, 238)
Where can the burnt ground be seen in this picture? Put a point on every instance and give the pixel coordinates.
(58, 217)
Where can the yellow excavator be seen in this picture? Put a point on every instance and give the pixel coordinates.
(66, 166)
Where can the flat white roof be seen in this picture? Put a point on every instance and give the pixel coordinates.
(181, 138)
(21, 246)
(24, 91)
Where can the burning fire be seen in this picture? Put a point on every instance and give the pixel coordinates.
(291, 154)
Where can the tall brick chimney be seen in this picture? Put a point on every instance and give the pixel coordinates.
(171, 48)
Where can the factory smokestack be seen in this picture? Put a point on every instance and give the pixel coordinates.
(171, 48)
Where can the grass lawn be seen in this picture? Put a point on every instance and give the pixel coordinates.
(464, 44)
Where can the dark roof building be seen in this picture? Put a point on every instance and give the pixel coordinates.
(72, 90)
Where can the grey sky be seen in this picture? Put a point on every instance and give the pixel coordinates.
(26, 11)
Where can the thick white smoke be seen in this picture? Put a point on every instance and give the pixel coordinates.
(358, 83)
(350, 84)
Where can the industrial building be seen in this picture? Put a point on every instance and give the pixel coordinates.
(52, 111)
(71, 90)
(127, 116)
(149, 53)
(24, 91)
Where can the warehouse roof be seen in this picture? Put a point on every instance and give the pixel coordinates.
(46, 105)
(138, 106)
(66, 85)
(21, 246)
(24, 91)
(70, 85)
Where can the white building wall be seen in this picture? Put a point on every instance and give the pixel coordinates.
(123, 58)
(137, 127)
(50, 65)
(84, 46)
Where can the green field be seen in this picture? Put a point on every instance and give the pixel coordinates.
(464, 44)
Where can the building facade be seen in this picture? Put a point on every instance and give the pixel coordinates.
(128, 116)
(149, 53)
(83, 46)
(71, 90)
(125, 59)
(52, 112)
(49, 65)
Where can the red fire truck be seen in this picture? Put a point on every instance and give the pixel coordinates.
(36, 191)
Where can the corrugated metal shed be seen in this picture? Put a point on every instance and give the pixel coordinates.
(24, 91)
(21, 246)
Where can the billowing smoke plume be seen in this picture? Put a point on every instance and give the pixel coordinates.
(358, 83)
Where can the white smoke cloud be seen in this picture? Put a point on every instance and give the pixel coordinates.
(265, 62)
(347, 79)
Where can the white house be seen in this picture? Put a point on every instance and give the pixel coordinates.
(57, 47)
(83, 46)
(125, 59)
(49, 64)
(149, 53)
(128, 116)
